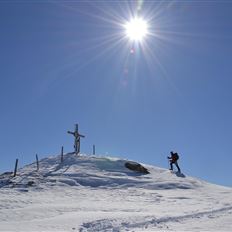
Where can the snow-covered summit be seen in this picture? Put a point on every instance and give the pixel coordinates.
(94, 171)
(92, 193)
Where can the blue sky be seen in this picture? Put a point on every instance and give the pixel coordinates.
(67, 62)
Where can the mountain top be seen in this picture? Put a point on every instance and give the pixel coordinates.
(95, 171)
(92, 193)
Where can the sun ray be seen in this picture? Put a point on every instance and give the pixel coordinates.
(117, 34)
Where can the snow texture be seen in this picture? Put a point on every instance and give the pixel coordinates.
(90, 193)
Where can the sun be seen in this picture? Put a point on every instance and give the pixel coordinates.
(136, 29)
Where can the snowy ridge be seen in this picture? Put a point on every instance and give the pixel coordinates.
(90, 193)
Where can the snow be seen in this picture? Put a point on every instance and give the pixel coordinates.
(90, 193)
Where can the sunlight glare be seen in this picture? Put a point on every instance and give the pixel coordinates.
(136, 29)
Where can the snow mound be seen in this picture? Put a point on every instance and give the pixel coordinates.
(95, 172)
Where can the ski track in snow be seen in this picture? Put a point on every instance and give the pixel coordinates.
(89, 194)
(143, 223)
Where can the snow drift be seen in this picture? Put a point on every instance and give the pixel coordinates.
(89, 193)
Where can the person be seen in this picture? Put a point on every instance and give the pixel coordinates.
(173, 160)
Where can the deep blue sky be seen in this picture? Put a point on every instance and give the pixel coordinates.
(67, 62)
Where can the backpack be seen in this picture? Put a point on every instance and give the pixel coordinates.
(175, 156)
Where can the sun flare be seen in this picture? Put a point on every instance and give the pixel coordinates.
(136, 29)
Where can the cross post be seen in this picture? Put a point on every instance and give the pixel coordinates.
(77, 136)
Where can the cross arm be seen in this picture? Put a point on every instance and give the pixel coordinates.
(70, 132)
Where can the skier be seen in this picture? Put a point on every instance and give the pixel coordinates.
(173, 160)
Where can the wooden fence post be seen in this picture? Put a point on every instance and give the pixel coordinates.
(62, 154)
(37, 162)
(16, 166)
(93, 149)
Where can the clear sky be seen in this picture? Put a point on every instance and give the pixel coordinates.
(67, 62)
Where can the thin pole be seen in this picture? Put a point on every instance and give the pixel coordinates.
(62, 154)
(16, 166)
(79, 146)
(77, 140)
(93, 149)
(37, 162)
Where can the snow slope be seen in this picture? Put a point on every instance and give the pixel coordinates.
(89, 193)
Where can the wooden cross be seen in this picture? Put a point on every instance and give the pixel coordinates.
(77, 136)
